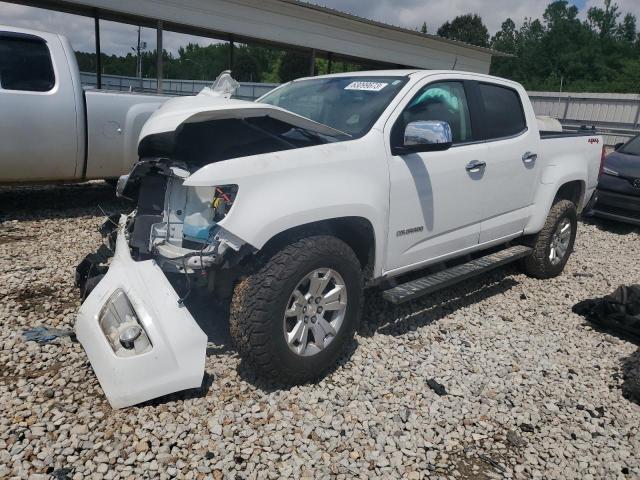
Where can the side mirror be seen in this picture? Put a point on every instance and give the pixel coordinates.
(425, 136)
(618, 146)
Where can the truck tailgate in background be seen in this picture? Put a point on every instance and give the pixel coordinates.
(114, 121)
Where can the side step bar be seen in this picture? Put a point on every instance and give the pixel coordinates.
(436, 281)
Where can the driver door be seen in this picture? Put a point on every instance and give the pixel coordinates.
(435, 204)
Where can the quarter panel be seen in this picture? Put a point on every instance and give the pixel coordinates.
(114, 122)
(568, 160)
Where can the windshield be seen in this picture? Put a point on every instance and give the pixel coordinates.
(349, 104)
(632, 147)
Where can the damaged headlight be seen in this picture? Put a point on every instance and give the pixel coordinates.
(223, 199)
(120, 324)
(206, 206)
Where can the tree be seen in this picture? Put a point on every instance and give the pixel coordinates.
(627, 29)
(245, 66)
(293, 65)
(466, 28)
(423, 28)
(505, 40)
(604, 21)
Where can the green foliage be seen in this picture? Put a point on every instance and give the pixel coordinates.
(599, 54)
(294, 65)
(194, 62)
(466, 28)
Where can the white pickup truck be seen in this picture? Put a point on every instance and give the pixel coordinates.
(50, 129)
(290, 206)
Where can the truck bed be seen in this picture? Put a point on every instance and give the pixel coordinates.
(114, 121)
(578, 151)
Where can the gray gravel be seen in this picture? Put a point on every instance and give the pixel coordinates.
(531, 391)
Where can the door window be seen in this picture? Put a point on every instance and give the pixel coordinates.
(444, 101)
(25, 64)
(503, 113)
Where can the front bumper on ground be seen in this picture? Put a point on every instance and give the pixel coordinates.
(177, 356)
(615, 206)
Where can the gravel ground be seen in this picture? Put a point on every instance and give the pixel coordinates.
(530, 389)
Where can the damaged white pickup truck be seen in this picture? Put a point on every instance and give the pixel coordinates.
(290, 206)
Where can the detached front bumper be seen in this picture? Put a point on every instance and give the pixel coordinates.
(175, 361)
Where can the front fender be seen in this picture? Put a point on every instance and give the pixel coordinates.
(283, 190)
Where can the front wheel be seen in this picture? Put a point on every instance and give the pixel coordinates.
(294, 317)
(554, 244)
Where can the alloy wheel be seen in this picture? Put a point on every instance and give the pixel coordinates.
(315, 312)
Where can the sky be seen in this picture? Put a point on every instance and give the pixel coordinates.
(115, 38)
(411, 13)
(120, 38)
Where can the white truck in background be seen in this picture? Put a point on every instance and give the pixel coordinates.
(288, 207)
(50, 128)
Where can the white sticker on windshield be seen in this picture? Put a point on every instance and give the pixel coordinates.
(366, 86)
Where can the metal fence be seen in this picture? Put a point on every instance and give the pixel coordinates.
(615, 115)
(247, 90)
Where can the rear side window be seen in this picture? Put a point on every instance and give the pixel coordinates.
(25, 64)
(504, 116)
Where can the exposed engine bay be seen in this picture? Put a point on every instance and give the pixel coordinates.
(177, 226)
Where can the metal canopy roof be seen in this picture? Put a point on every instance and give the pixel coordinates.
(290, 24)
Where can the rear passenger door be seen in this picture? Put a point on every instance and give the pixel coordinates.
(512, 170)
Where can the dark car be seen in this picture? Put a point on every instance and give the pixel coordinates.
(618, 194)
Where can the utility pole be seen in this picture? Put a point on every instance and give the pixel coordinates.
(140, 46)
(231, 47)
(560, 92)
(159, 53)
(96, 25)
(312, 63)
(139, 64)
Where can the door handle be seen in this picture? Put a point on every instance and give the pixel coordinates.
(474, 166)
(529, 157)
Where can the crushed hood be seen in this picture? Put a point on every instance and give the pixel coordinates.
(200, 108)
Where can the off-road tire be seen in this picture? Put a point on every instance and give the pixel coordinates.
(259, 301)
(538, 265)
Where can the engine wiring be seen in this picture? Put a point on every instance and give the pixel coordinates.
(224, 196)
(221, 202)
(201, 254)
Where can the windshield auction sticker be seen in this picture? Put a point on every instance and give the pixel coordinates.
(366, 86)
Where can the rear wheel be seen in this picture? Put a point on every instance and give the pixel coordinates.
(554, 244)
(294, 317)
